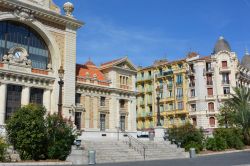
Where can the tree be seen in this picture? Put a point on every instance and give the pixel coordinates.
(227, 116)
(27, 133)
(60, 137)
(240, 104)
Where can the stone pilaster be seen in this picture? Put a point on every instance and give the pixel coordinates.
(3, 98)
(25, 97)
(47, 100)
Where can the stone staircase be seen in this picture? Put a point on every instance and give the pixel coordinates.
(111, 151)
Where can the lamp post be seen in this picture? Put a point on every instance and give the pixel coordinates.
(158, 106)
(60, 82)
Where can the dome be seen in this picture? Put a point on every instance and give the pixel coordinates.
(246, 60)
(221, 45)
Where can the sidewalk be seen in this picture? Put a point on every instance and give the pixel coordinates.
(223, 152)
(37, 163)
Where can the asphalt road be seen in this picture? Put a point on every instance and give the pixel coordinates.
(230, 159)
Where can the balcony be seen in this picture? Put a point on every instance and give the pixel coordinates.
(225, 82)
(125, 87)
(209, 83)
(149, 90)
(210, 97)
(225, 96)
(190, 72)
(170, 85)
(179, 97)
(168, 73)
(192, 98)
(149, 102)
(225, 69)
(179, 83)
(142, 103)
(208, 70)
(192, 84)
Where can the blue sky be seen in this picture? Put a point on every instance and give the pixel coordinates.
(146, 30)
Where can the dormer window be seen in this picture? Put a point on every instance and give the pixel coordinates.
(224, 64)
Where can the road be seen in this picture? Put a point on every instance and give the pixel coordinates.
(230, 159)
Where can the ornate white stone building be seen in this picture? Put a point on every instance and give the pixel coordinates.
(211, 80)
(35, 40)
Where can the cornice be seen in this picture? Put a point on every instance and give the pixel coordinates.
(43, 13)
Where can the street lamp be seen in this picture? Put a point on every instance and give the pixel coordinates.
(158, 106)
(60, 82)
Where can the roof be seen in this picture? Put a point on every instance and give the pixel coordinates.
(90, 70)
(246, 60)
(111, 62)
(221, 45)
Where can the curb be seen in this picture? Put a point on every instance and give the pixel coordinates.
(223, 152)
(37, 163)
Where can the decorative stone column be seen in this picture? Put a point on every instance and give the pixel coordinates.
(47, 100)
(25, 97)
(3, 98)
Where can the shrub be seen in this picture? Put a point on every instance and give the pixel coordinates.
(3, 150)
(193, 144)
(27, 133)
(60, 137)
(36, 137)
(216, 144)
(187, 135)
(232, 136)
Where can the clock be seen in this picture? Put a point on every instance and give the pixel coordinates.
(18, 54)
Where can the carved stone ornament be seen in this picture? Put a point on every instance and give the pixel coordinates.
(24, 14)
(17, 55)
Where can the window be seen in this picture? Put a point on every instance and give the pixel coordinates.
(226, 90)
(122, 103)
(180, 66)
(209, 79)
(78, 120)
(192, 93)
(162, 121)
(212, 121)
(208, 66)
(210, 106)
(170, 93)
(225, 78)
(149, 73)
(180, 105)
(161, 108)
(160, 71)
(16, 34)
(122, 123)
(102, 101)
(170, 106)
(193, 107)
(224, 64)
(179, 93)
(36, 96)
(210, 91)
(142, 74)
(183, 120)
(179, 79)
(102, 122)
(171, 120)
(194, 121)
(13, 100)
(78, 98)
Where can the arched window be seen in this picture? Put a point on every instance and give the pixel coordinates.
(16, 34)
(211, 106)
(212, 121)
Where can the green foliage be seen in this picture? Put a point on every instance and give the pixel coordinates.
(240, 106)
(187, 135)
(232, 136)
(216, 144)
(193, 144)
(3, 150)
(36, 137)
(60, 137)
(27, 132)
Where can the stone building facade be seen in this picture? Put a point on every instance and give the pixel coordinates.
(107, 97)
(35, 40)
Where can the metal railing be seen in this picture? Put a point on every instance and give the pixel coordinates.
(137, 145)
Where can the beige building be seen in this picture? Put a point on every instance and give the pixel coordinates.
(106, 95)
(35, 40)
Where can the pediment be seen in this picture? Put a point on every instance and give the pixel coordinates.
(126, 64)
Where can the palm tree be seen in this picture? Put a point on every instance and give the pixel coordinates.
(240, 104)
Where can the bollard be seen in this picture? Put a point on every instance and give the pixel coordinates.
(192, 152)
(179, 145)
(151, 136)
(91, 157)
